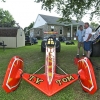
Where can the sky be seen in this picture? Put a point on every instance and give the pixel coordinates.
(25, 12)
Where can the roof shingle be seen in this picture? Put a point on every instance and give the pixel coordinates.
(8, 32)
(54, 20)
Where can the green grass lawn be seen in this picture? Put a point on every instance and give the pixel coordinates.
(34, 59)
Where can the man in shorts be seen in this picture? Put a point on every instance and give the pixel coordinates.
(79, 37)
(87, 40)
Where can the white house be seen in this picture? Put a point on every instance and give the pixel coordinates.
(50, 23)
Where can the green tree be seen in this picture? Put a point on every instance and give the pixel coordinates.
(70, 8)
(94, 25)
(31, 25)
(3, 0)
(26, 29)
(6, 18)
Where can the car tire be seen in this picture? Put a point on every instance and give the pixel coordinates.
(43, 46)
(58, 46)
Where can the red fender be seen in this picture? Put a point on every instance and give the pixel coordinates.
(87, 76)
(13, 74)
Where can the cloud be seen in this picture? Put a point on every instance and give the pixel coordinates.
(24, 11)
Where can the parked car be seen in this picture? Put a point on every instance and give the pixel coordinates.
(30, 40)
(45, 38)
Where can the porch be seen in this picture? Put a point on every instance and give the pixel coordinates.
(70, 31)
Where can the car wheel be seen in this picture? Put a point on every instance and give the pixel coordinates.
(58, 46)
(43, 46)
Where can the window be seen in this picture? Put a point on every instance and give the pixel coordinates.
(75, 29)
(52, 28)
(61, 29)
(38, 32)
(21, 34)
(68, 29)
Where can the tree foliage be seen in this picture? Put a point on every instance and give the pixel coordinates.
(94, 25)
(70, 8)
(3, 0)
(26, 29)
(6, 19)
(31, 25)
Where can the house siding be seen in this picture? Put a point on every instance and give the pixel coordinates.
(39, 32)
(66, 31)
(56, 28)
(46, 28)
(39, 22)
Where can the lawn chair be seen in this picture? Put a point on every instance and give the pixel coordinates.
(3, 45)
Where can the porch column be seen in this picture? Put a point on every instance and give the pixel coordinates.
(77, 27)
(71, 31)
(63, 31)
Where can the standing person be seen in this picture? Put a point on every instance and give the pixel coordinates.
(87, 39)
(79, 37)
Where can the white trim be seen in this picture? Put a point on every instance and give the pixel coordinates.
(71, 24)
(77, 27)
(71, 31)
(10, 74)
